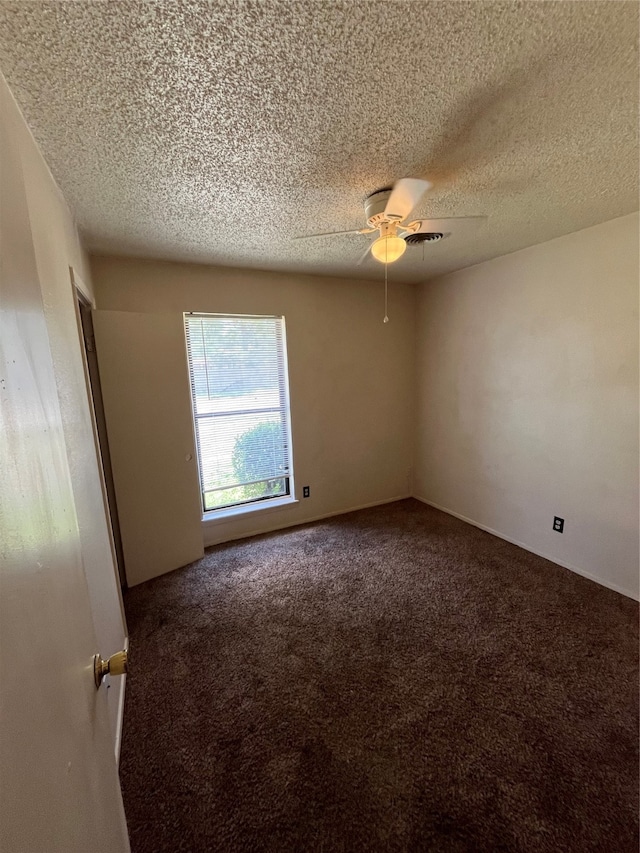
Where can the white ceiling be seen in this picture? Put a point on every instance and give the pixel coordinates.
(216, 131)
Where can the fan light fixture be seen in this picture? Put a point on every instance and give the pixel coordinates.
(388, 248)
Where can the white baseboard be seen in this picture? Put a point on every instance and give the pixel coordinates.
(281, 526)
(526, 547)
(120, 717)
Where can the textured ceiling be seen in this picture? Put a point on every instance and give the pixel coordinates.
(215, 131)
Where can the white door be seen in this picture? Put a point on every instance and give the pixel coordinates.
(59, 788)
(147, 405)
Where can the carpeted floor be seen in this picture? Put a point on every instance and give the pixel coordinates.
(388, 680)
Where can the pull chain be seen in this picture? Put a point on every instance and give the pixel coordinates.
(386, 286)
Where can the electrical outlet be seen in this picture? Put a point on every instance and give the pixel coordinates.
(305, 491)
(558, 524)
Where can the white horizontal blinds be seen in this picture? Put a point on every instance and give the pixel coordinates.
(239, 389)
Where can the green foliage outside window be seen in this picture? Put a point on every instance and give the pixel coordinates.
(257, 450)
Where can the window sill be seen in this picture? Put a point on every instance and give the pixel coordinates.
(218, 516)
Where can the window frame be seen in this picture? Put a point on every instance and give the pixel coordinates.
(258, 503)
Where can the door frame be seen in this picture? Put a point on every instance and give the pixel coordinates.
(82, 299)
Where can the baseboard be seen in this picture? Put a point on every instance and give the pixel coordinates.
(297, 523)
(120, 717)
(526, 547)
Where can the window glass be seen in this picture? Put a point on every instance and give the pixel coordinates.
(239, 390)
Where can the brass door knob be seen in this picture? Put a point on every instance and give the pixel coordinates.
(116, 665)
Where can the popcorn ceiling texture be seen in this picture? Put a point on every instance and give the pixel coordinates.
(215, 132)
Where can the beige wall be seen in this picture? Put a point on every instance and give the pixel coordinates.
(57, 247)
(147, 401)
(528, 398)
(351, 376)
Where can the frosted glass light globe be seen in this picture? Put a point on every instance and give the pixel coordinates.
(388, 249)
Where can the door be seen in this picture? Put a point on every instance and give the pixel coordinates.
(147, 402)
(59, 789)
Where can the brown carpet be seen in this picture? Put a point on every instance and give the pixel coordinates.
(388, 680)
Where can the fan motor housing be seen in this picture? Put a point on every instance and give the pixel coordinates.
(374, 208)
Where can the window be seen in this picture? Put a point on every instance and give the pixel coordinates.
(239, 390)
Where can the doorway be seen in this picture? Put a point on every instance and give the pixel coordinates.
(93, 376)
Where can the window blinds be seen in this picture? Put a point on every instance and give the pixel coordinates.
(237, 367)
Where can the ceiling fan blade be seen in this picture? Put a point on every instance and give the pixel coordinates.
(364, 255)
(335, 233)
(446, 226)
(406, 193)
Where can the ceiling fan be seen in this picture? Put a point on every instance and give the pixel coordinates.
(387, 212)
